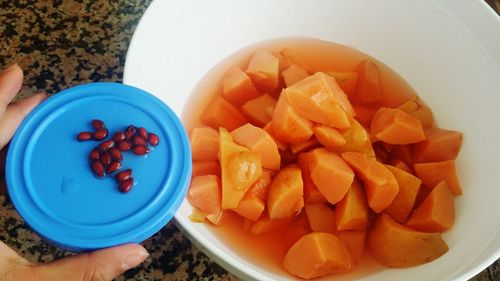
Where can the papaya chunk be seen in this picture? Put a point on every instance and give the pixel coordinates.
(250, 206)
(259, 110)
(293, 74)
(288, 57)
(287, 125)
(261, 186)
(240, 168)
(243, 169)
(263, 68)
(237, 87)
(439, 145)
(286, 193)
(269, 129)
(436, 213)
(203, 168)
(329, 137)
(197, 216)
(368, 88)
(395, 245)
(403, 204)
(205, 194)
(357, 140)
(364, 113)
(316, 254)
(416, 108)
(351, 213)
(400, 165)
(311, 192)
(347, 80)
(220, 113)
(321, 217)
(265, 224)
(330, 174)
(204, 143)
(260, 142)
(432, 173)
(395, 126)
(216, 218)
(320, 99)
(304, 146)
(380, 185)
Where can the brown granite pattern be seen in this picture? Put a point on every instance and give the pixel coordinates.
(65, 43)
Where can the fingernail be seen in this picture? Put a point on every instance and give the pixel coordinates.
(134, 259)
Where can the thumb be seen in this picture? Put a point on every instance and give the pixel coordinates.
(102, 265)
(15, 114)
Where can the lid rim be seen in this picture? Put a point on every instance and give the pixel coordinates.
(135, 231)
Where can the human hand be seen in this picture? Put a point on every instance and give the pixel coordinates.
(102, 265)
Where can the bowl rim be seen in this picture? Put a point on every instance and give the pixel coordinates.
(151, 17)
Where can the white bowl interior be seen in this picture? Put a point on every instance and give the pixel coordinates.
(440, 47)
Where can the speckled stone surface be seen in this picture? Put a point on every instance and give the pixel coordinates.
(64, 43)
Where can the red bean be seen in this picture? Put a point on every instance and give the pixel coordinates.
(105, 158)
(119, 136)
(101, 134)
(94, 154)
(142, 132)
(153, 139)
(130, 132)
(126, 185)
(113, 166)
(97, 168)
(138, 140)
(106, 144)
(124, 145)
(84, 136)
(115, 153)
(140, 150)
(124, 175)
(97, 124)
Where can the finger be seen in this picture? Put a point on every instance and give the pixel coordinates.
(15, 114)
(102, 265)
(7, 254)
(13, 266)
(11, 80)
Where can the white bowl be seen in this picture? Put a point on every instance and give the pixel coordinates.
(446, 49)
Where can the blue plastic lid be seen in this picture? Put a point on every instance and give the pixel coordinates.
(53, 188)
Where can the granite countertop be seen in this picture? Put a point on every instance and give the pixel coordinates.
(64, 43)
